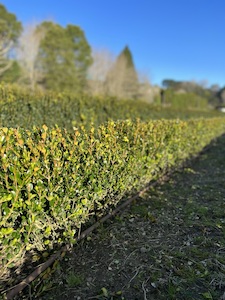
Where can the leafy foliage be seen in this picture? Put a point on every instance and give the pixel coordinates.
(12, 74)
(64, 57)
(185, 100)
(52, 182)
(10, 29)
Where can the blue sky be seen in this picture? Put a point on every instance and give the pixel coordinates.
(175, 39)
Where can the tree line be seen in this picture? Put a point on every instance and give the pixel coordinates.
(52, 57)
(214, 94)
(49, 56)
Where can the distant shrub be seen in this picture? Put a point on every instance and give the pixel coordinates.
(185, 101)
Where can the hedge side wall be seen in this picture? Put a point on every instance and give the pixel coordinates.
(18, 108)
(52, 181)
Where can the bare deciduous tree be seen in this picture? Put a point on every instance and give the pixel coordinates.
(27, 53)
(103, 60)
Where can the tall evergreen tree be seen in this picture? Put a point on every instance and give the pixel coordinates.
(122, 79)
(27, 53)
(129, 59)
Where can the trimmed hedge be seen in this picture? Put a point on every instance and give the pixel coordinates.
(18, 108)
(52, 182)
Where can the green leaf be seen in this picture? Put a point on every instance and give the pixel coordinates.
(105, 292)
(207, 295)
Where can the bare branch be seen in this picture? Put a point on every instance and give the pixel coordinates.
(6, 67)
(5, 46)
(27, 53)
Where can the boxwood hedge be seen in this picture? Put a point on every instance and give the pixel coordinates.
(52, 181)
